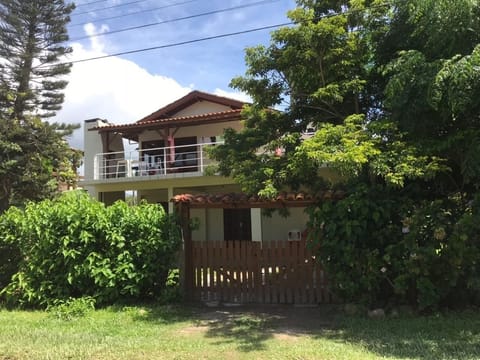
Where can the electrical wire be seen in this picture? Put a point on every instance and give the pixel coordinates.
(180, 43)
(108, 7)
(211, 37)
(89, 3)
(133, 13)
(175, 19)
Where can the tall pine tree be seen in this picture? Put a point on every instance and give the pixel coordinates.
(32, 38)
(32, 42)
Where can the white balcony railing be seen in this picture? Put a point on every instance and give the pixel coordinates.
(153, 162)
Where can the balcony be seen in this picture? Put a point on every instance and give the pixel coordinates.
(177, 161)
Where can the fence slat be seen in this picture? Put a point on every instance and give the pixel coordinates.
(289, 272)
(260, 272)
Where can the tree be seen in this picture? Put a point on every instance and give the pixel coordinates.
(318, 72)
(30, 154)
(32, 34)
(391, 89)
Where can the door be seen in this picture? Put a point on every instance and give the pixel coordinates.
(237, 224)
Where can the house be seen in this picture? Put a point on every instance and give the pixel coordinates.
(165, 154)
(163, 158)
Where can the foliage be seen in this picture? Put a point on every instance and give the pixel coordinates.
(34, 155)
(72, 308)
(31, 152)
(9, 261)
(440, 254)
(358, 147)
(317, 72)
(74, 246)
(380, 247)
(391, 91)
(172, 294)
(32, 40)
(354, 235)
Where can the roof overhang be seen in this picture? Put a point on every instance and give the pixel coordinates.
(132, 131)
(244, 201)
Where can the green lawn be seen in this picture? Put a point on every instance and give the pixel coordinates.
(235, 333)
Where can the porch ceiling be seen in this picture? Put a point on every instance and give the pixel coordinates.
(240, 200)
(131, 131)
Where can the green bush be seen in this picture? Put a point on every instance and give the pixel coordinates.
(380, 248)
(9, 261)
(440, 258)
(352, 236)
(74, 246)
(71, 308)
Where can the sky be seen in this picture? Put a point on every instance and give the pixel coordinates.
(125, 88)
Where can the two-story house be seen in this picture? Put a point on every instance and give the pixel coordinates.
(164, 155)
(236, 251)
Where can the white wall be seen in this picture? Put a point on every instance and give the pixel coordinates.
(201, 107)
(270, 228)
(277, 227)
(210, 224)
(215, 224)
(92, 143)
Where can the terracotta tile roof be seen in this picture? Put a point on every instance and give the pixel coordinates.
(228, 115)
(187, 100)
(244, 200)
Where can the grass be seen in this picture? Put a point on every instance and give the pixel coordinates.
(235, 333)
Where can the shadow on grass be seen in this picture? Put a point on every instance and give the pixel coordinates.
(242, 330)
(453, 336)
(248, 328)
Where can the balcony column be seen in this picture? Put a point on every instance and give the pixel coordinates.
(171, 208)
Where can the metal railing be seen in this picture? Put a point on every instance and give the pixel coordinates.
(161, 161)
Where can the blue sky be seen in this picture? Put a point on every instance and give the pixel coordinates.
(125, 88)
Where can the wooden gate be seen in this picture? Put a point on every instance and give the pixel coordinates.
(273, 272)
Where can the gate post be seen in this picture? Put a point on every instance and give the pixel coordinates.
(186, 268)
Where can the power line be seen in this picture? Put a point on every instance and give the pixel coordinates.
(109, 7)
(89, 3)
(214, 37)
(176, 19)
(134, 13)
(180, 43)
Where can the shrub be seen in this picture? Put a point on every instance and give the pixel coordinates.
(380, 248)
(74, 246)
(352, 236)
(439, 266)
(72, 308)
(172, 292)
(9, 260)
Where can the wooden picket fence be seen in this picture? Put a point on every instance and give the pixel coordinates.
(274, 272)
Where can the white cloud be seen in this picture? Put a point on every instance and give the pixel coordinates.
(116, 89)
(113, 88)
(233, 95)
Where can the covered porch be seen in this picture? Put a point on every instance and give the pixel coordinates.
(279, 271)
